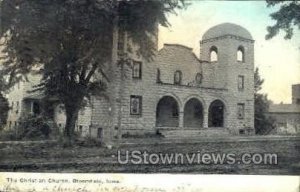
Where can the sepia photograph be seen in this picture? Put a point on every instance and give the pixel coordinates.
(155, 88)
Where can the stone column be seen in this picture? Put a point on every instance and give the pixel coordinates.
(205, 118)
(181, 117)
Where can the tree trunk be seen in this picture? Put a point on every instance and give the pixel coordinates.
(71, 118)
(112, 90)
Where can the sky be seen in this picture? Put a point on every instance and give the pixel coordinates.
(278, 59)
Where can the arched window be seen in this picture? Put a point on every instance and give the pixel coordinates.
(177, 77)
(213, 53)
(240, 55)
(198, 78)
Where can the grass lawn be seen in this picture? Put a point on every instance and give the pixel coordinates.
(54, 158)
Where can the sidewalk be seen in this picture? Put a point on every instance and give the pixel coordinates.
(146, 141)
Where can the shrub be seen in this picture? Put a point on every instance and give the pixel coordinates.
(88, 142)
(8, 135)
(35, 127)
(145, 135)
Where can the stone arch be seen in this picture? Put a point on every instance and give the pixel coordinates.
(213, 54)
(171, 94)
(193, 113)
(240, 54)
(167, 112)
(216, 113)
(202, 101)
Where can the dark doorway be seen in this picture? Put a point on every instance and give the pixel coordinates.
(193, 113)
(216, 114)
(99, 133)
(167, 112)
(36, 108)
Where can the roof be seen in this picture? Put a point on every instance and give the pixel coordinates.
(284, 108)
(177, 51)
(37, 95)
(179, 46)
(227, 29)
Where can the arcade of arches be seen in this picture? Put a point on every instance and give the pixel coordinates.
(168, 113)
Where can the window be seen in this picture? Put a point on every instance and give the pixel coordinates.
(80, 129)
(135, 105)
(297, 101)
(177, 77)
(158, 76)
(242, 131)
(198, 78)
(241, 82)
(240, 54)
(241, 110)
(137, 70)
(17, 110)
(213, 54)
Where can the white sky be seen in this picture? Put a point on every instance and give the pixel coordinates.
(278, 59)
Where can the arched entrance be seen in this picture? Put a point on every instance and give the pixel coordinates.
(216, 114)
(193, 113)
(167, 112)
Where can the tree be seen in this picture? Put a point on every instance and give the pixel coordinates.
(287, 18)
(4, 108)
(71, 43)
(262, 123)
(4, 105)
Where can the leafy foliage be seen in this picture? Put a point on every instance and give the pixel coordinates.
(262, 123)
(4, 108)
(70, 42)
(34, 127)
(31, 128)
(287, 17)
(4, 105)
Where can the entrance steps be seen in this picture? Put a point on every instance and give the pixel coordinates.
(194, 133)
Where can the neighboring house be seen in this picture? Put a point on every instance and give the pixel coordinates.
(177, 92)
(287, 116)
(24, 102)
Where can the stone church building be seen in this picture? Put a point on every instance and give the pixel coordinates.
(178, 93)
(174, 94)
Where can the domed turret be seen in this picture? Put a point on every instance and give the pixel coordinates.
(227, 29)
(227, 54)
